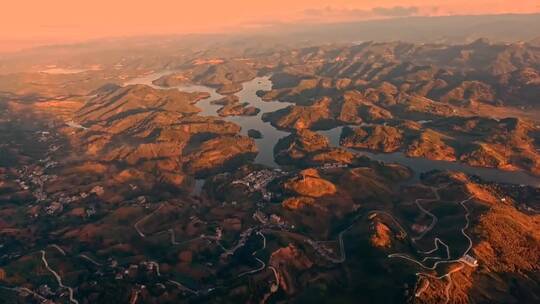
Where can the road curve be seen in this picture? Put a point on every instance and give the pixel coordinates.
(58, 278)
(136, 225)
(437, 242)
(84, 256)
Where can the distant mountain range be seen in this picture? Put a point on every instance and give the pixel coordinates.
(446, 29)
(442, 29)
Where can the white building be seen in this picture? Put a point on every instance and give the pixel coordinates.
(469, 260)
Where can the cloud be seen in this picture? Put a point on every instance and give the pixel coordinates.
(336, 12)
(396, 11)
(331, 13)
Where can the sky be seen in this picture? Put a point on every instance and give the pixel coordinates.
(30, 22)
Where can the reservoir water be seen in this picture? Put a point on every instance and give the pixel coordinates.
(271, 135)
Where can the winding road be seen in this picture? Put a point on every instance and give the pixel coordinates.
(58, 278)
(183, 287)
(262, 264)
(144, 218)
(448, 275)
(155, 265)
(84, 256)
(58, 248)
(434, 218)
(438, 241)
(24, 289)
(343, 255)
(404, 233)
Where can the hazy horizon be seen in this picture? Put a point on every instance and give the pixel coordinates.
(61, 21)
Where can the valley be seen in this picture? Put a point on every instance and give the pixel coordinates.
(316, 174)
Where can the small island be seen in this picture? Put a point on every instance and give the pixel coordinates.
(254, 134)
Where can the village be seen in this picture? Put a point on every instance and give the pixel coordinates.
(258, 181)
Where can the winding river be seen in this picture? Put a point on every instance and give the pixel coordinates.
(271, 135)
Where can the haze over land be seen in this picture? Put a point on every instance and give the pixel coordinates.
(31, 23)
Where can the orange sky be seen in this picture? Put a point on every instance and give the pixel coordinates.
(25, 21)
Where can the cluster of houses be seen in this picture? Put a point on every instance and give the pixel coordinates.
(257, 181)
(328, 166)
(34, 179)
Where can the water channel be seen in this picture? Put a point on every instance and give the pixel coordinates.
(271, 135)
